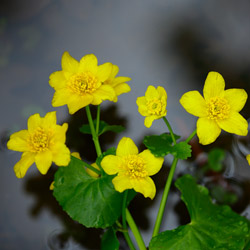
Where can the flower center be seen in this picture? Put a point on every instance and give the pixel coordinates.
(218, 108)
(39, 140)
(154, 107)
(82, 83)
(135, 166)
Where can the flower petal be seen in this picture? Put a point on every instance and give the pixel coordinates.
(114, 72)
(43, 161)
(61, 155)
(59, 135)
(49, 119)
(194, 103)
(162, 92)
(214, 85)
(149, 120)
(142, 107)
(18, 141)
(111, 164)
(61, 97)
(77, 102)
(69, 63)
(207, 131)
(122, 182)
(145, 186)
(104, 92)
(126, 147)
(119, 80)
(151, 93)
(236, 98)
(235, 124)
(34, 121)
(57, 80)
(88, 63)
(248, 159)
(104, 71)
(153, 164)
(121, 88)
(24, 164)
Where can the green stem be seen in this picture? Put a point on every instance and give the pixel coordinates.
(93, 132)
(170, 129)
(164, 198)
(98, 119)
(135, 231)
(91, 168)
(124, 223)
(191, 136)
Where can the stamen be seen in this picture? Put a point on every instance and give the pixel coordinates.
(154, 107)
(39, 140)
(218, 108)
(135, 167)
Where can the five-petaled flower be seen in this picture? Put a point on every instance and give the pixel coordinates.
(219, 109)
(153, 104)
(42, 143)
(118, 83)
(132, 168)
(79, 84)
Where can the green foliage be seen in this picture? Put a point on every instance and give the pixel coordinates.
(109, 240)
(161, 145)
(215, 158)
(92, 202)
(211, 227)
(103, 127)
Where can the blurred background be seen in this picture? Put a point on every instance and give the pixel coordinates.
(169, 43)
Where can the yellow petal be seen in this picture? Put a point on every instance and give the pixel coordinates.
(111, 164)
(92, 173)
(57, 80)
(18, 141)
(121, 183)
(149, 120)
(126, 147)
(142, 105)
(236, 98)
(162, 92)
(121, 88)
(24, 164)
(151, 92)
(207, 131)
(88, 63)
(76, 155)
(34, 121)
(77, 102)
(61, 155)
(49, 119)
(104, 71)
(194, 103)
(69, 63)
(153, 164)
(248, 159)
(114, 72)
(119, 80)
(214, 85)
(144, 186)
(43, 161)
(61, 97)
(104, 92)
(235, 124)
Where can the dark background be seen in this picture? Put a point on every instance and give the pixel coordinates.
(171, 43)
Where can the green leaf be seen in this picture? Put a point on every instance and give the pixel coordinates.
(159, 145)
(92, 202)
(182, 150)
(109, 240)
(215, 158)
(211, 227)
(103, 127)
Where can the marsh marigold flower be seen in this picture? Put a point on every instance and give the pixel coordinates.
(43, 143)
(118, 83)
(132, 168)
(153, 105)
(218, 109)
(79, 84)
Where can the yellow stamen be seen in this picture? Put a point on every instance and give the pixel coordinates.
(218, 108)
(39, 140)
(154, 107)
(135, 167)
(82, 83)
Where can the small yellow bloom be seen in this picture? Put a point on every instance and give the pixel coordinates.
(42, 143)
(153, 105)
(79, 84)
(248, 159)
(219, 109)
(132, 168)
(118, 83)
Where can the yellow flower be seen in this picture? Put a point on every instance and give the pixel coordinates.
(153, 105)
(248, 159)
(132, 168)
(79, 84)
(118, 83)
(42, 143)
(219, 109)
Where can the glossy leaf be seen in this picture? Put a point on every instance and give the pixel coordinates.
(91, 201)
(182, 150)
(109, 240)
(211, 227)
(103, 127)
